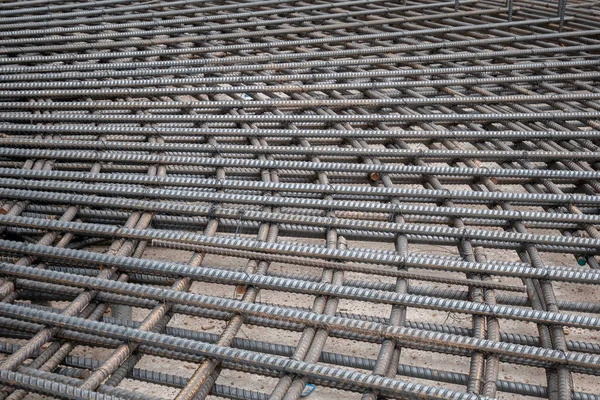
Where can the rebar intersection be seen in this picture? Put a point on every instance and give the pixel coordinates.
(249, 199)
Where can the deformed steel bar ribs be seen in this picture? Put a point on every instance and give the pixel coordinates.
(370, 198)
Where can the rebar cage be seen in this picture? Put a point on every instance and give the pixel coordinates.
(268, 199)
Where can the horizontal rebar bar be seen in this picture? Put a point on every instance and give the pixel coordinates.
(236, 278)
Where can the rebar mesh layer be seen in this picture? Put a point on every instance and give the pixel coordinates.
(253, 199)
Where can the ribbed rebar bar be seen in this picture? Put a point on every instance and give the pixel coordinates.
(365, 197)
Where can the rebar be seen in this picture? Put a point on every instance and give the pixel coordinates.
(380, 199)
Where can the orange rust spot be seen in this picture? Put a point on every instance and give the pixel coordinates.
(375, 176)
(240, 290)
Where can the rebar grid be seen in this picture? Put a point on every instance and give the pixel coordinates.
(380, 199)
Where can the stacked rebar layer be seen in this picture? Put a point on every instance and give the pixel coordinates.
(250, 199)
